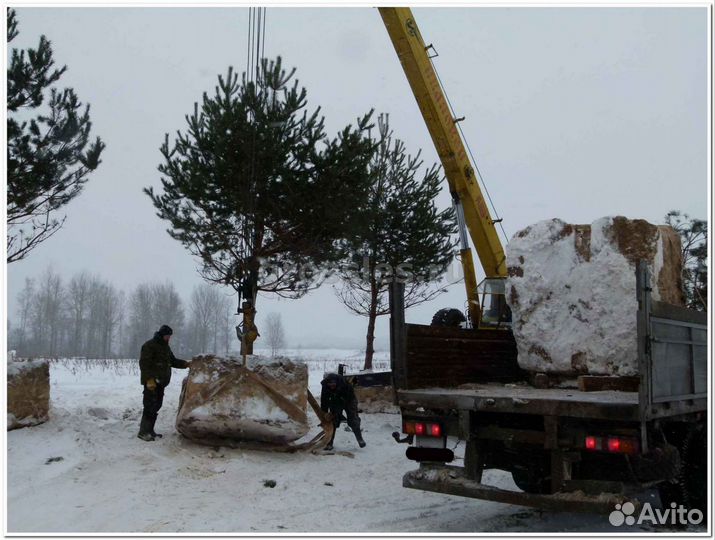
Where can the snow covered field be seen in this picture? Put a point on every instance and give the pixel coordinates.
(86, 471)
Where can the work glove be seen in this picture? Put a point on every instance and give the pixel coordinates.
(151, 384)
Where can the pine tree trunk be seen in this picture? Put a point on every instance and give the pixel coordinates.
(372, 315)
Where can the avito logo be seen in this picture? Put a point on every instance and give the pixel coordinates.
(675, 515)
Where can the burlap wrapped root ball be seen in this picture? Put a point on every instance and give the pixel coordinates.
(223, 400)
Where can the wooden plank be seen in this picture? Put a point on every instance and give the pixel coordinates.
(444, 362)
(436, 353)
(595, 383)
(462, 337)
(448, 357)
(450, 331)
(398, 340)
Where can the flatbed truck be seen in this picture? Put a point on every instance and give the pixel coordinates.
(567, 449)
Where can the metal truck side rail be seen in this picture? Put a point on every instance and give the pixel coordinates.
(672, 356)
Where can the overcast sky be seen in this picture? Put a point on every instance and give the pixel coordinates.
(575, 113)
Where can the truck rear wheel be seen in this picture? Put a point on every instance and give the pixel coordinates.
(531, 480)
(694, 472)
(689, 488)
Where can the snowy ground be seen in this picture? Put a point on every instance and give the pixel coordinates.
(85, 471)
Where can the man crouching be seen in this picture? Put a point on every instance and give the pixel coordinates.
(336, 396)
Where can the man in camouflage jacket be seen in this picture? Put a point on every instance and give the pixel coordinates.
(155, 363)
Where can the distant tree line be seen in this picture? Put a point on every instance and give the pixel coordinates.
(87, 316)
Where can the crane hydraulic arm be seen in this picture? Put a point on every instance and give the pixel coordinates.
(469, 202)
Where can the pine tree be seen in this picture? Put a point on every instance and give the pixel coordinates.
(694, 241)
(256, 190)
(47, 164)
(402, 236)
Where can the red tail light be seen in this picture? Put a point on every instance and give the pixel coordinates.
(630, 446)
(412, 427)
(616, 445)
(623, 445)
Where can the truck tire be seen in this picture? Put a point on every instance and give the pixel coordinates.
(448, 317)
(694, 471)
(530, 480)
(689, 487)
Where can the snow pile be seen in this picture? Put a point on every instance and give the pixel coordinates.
(28, 392)
(222, 400)
(572, 291)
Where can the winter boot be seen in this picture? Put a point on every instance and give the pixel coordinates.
(146, 426)
(358, 437)
(150, 425)
(329, 446)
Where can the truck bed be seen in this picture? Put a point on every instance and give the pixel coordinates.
(518, 398)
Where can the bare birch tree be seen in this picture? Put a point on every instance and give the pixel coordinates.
(275, 336)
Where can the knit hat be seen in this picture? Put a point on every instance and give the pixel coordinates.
(165, 330)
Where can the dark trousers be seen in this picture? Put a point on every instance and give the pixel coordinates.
(351, 412)
(152, 401)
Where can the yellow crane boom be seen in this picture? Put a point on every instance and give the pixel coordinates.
(469, 201)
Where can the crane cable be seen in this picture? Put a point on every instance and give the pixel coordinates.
(256, 47)
(479, 173)
(255, 53)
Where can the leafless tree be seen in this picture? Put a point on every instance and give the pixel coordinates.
(23, 336)
(104, 315)
(402, 235)
(205, 305)
(48, 312)
(221, 323)
(121, 318)
(150, 306)
(78, 293)
(227, 324)
(139, 321)
(275, 336)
